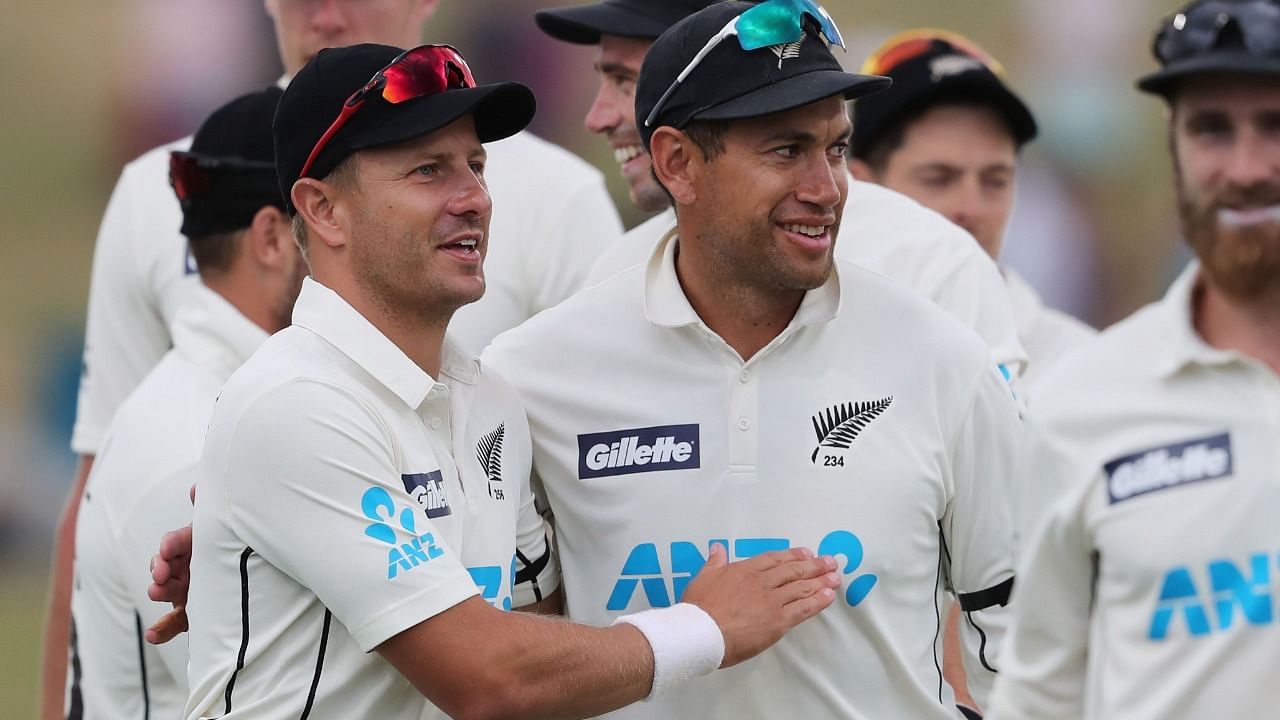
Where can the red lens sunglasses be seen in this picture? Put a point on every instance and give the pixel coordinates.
(191, 174)
(419, 72)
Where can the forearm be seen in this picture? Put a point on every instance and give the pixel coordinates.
(57, 631)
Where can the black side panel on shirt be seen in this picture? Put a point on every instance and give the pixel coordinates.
(142, 667)
(529, 573)
(244, 624)
(75, 703)
(315, 680)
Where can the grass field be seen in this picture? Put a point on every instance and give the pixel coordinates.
(22, 592)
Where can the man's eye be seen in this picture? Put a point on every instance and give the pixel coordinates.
(478, 169)
(787, 151)
(426, 170)
(839, 150)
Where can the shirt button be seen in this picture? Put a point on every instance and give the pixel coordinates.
(744, 423)
(745, 376)
(434, 424)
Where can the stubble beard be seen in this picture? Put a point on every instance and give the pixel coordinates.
(1241, 262)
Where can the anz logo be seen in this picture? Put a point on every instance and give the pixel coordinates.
(402, 557)
(1233, 594)
(489, 578)
(665, 585)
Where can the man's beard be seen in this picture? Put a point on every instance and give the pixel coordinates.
(1242, 261)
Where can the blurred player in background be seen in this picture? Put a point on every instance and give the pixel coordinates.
(1147, 590)
(928, 254)
(250, 272)
(948, 134)
(547, 233)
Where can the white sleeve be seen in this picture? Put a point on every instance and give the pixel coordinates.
(125, 335)
(978, 526)
(575, 232)
(1044, 665)
(165, 506)
(971, 290)
(312, 487)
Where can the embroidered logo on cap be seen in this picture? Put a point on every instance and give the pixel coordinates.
(789, 51)
(949, 65)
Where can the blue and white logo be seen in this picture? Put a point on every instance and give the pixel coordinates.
(1168, 466)
(1210, 602)
(428, 490)
(644, 569)
(651, 449)
(377, 506)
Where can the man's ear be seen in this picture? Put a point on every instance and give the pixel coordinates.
(676, 163)
(271, 237)
(861, 170)
(317, 203)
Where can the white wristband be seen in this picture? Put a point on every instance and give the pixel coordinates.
(686, 643)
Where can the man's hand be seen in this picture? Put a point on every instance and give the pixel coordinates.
(170, 580)
(758, 600)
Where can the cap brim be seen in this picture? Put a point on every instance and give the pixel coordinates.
(1165, 81)
(795, 92)
(500, 110)
(583, 25)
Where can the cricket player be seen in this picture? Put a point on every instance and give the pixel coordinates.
(547, 235)
(1148, 587)
(364, 515)
(948, 135)
(928, 254)
(250, 273)
(744, 390)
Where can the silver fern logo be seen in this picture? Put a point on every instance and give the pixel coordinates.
(837, 427)
(786, 52)
(489, 453)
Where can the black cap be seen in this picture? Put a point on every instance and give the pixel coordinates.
(318, 92)
(931, 67)
(731, 83)
(1215, 36)
(584, 24)
(229, 173)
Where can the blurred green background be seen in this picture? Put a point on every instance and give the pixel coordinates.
(84, 91)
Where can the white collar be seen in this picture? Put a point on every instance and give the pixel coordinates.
(327, 314)
(214, 334)
(1184, 345)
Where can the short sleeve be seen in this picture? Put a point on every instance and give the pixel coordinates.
(312, 487)
(978, 527)
(125, 334)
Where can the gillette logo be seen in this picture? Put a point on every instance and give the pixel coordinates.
(652, 449)
(1170, 466)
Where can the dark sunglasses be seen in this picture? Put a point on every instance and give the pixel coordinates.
(1199, 28)
(192, 175)
(418, 72)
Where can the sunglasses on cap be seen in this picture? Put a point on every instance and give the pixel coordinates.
(418, 72)
(773, 22)
(192, 175)
(1198, 29)
(910, 45)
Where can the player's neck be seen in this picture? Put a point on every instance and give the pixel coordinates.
(746, 318)
(245, 296)
(1249, 327)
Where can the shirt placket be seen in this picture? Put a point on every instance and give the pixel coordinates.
(434, 413)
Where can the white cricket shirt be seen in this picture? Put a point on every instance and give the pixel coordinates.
(873, 428)
(1045, 333)
(892, 234)
(1148, 588)
(346, 496)
(136, 493)
(552, 217)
